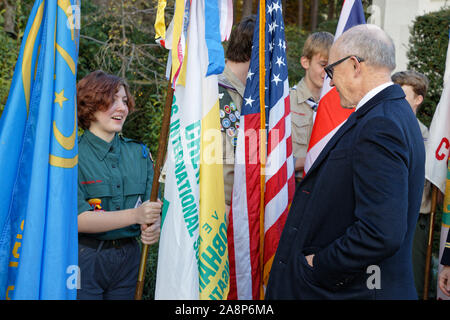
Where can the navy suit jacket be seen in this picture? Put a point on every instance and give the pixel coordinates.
(356, 210)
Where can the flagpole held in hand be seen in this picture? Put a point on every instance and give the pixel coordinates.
(162, 147)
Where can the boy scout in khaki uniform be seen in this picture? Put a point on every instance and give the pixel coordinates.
(415, 86)
(305, 95)
(231, 91)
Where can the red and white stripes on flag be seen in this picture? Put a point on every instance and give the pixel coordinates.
(330, 115)
(264, 182)
(280, 179)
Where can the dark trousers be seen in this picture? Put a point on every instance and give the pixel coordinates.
(108, 272)
(419, 252)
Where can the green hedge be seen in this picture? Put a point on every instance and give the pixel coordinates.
(10, 48)
(427, 53)
(8, 56)
(9, 51)
(295, 38)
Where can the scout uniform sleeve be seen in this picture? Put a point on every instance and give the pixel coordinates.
(229, 122)
(301, 127)
(83, 205)
(150, 173)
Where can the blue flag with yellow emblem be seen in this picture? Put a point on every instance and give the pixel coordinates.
(38, 160)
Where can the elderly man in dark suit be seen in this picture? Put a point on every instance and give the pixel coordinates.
(350, 227)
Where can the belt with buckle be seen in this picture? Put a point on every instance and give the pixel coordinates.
(103, 244)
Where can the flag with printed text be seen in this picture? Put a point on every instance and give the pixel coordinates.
(193, 249)
(437, 169)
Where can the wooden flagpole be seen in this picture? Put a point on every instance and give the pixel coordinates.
(162, 147)
(426, 284)
(262, 92)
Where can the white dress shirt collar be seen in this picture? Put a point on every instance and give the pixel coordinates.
(372, 93)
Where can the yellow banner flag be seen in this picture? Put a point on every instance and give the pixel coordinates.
(213, 259)
(193, 254)
(160, 25)
(180, 18)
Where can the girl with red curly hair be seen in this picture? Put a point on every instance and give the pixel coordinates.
(114, 179)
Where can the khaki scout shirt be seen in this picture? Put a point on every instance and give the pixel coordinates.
(119, 174)
(425, 206)
(302, 120)
(235, 88)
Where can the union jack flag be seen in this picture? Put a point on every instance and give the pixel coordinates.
(264, 182)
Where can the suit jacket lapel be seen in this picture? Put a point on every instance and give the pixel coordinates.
(350, 122)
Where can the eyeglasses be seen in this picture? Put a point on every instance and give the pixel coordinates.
(330, 68)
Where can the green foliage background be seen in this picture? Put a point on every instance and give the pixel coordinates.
(118, 37)
(10, 47)
(8, 57)
(427, 54)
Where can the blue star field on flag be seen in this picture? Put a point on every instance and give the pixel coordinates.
(275, 61)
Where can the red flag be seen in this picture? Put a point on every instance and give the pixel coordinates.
(330, 115)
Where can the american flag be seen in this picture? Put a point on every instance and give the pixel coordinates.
(264, 182)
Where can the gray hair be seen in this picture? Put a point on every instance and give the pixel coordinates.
(369, 42)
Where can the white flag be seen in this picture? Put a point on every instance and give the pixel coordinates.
(193, 255)
(439, 139)
(438, 146)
